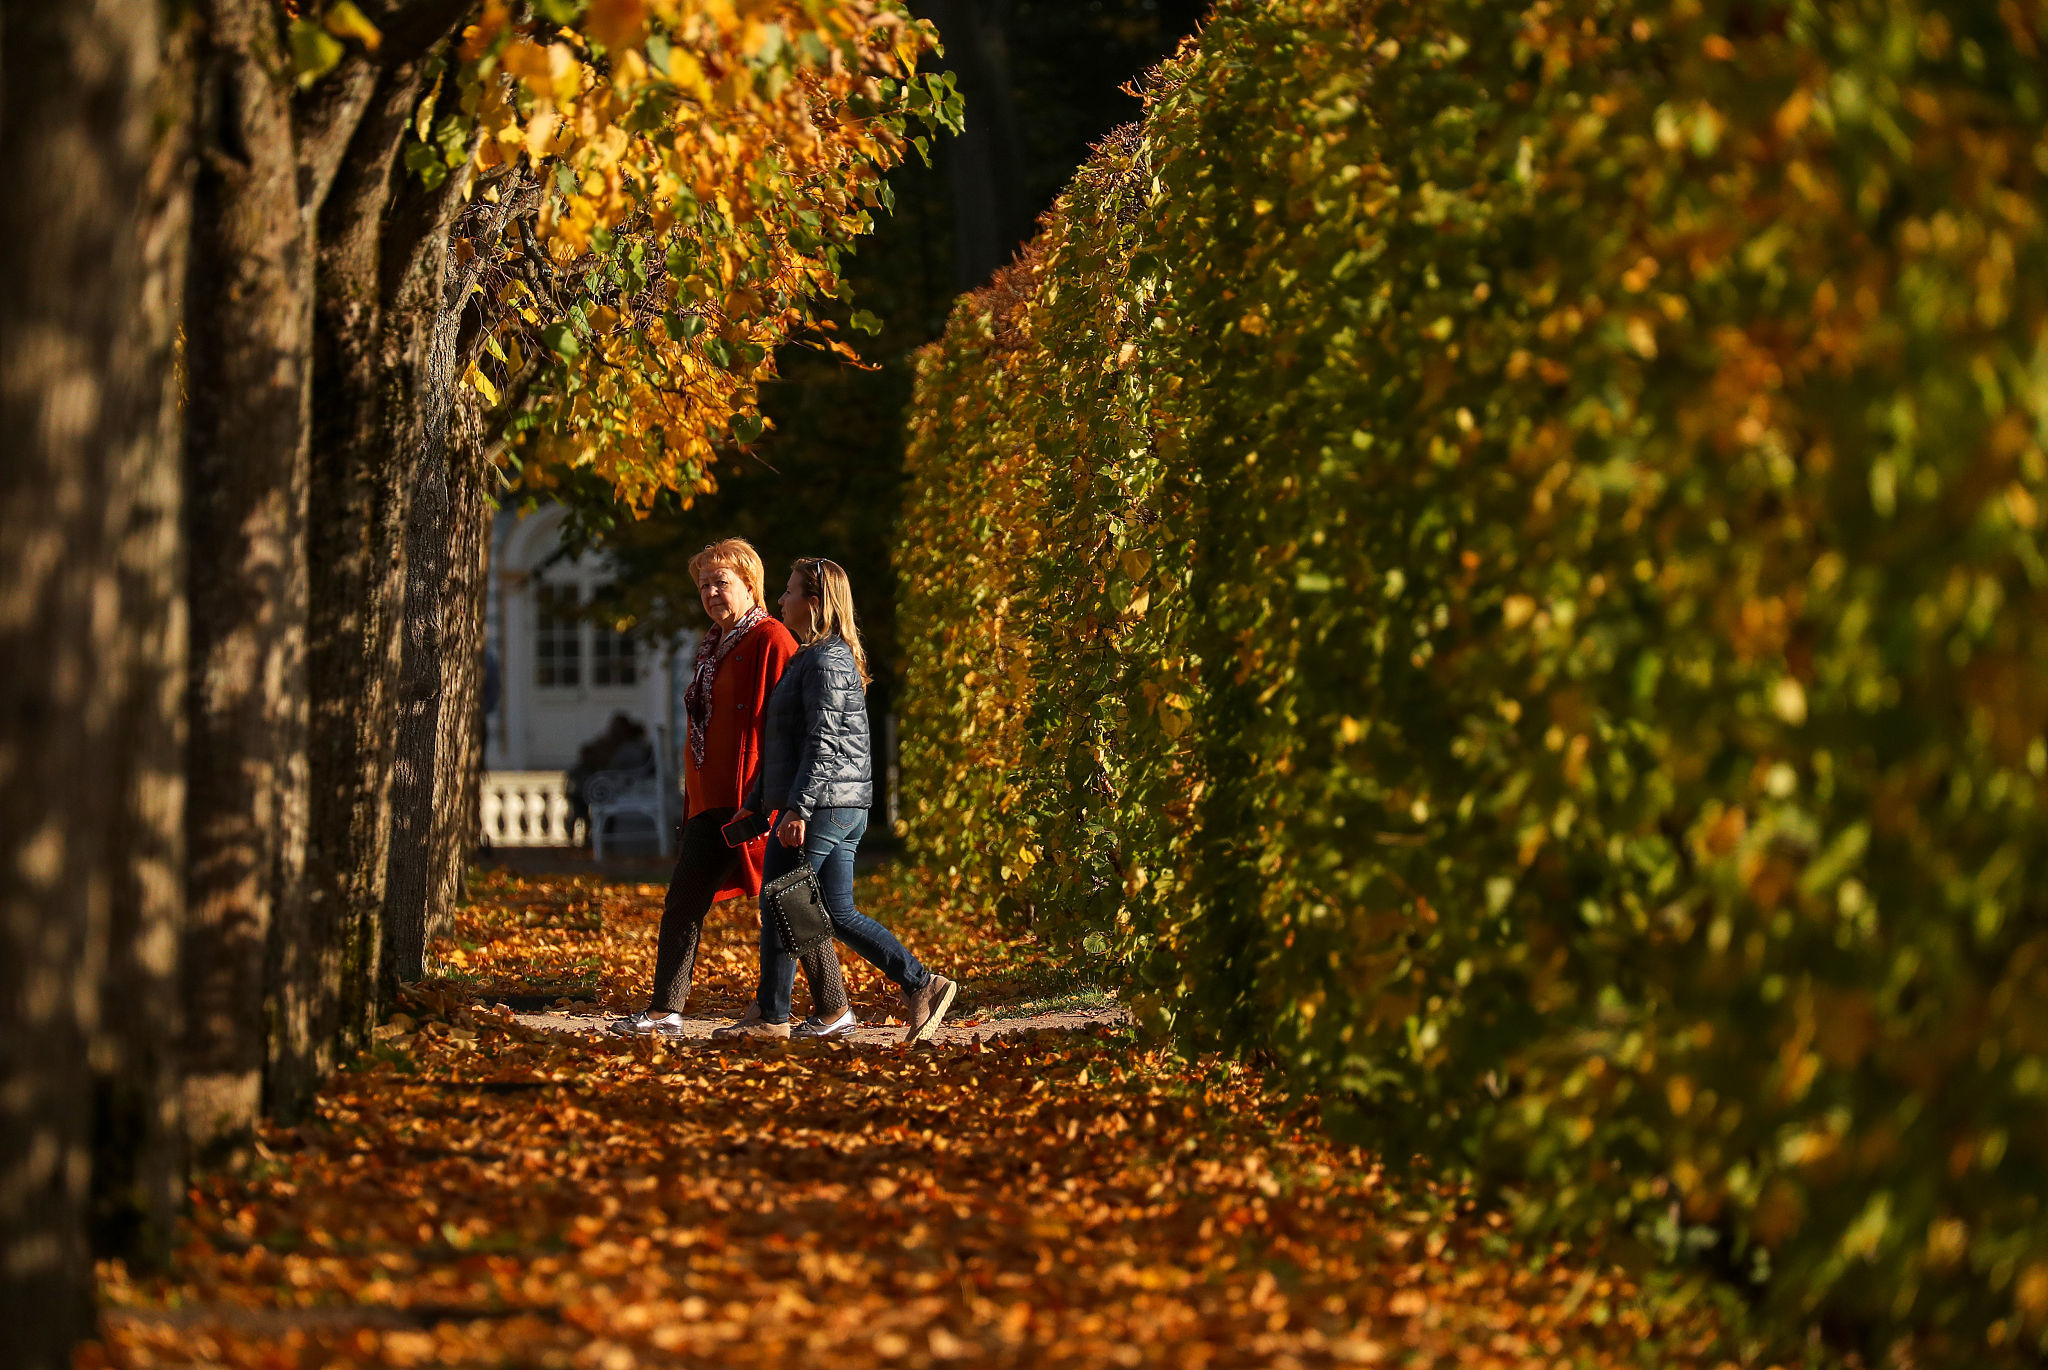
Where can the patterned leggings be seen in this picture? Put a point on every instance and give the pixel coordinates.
(704, 864)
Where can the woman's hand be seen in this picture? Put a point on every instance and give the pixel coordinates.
(791, 832)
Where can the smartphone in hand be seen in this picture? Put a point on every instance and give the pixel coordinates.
(745, 829)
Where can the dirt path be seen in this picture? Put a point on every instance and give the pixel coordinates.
(492, 1189)
(888, 1032)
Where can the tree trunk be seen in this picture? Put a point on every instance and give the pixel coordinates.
(441, 585)
(458, 782)
(82, 392)
(246, 470)
(356, 547)
(383, 247)
(409, 893)
(138, 1137)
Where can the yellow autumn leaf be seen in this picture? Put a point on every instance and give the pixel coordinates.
(344, 20)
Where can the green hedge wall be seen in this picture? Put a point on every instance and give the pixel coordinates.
(1494, 552)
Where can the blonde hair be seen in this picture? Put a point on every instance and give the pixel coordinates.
(739, 555)
(831, 593)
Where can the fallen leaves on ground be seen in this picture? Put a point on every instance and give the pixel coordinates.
(580, 940)
(477, 1192)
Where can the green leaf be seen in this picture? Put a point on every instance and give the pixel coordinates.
(747, 427)
(864, 322)
(451, 135)
(422, 161)
(315, 51)
(561, 339)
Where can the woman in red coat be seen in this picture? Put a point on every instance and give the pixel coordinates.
(738, 661)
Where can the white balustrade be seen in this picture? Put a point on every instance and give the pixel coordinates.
(527, 809)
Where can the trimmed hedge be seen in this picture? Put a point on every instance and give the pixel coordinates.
(1494, 552)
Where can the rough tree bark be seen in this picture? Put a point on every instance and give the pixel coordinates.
(85, 103)
(408, 896)
(437, 691)
(246, 454)
(318, 761)
(138, 1132)
(435, 793)
(458, 779)
(356, 564)
(380, 306)
(295, 1055)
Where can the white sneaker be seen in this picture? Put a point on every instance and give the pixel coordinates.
(818, 1028)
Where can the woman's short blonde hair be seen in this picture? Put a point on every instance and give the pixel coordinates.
(737, 554)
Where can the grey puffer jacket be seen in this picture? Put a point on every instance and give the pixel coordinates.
(814, 736)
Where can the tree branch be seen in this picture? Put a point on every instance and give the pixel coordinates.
(327, 117)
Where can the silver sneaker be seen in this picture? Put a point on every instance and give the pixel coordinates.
(819, 1029)
(647, 1024)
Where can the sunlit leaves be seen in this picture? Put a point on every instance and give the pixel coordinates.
(1582, 708)
(700, 169)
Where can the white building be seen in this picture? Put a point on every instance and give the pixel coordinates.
(561, 678)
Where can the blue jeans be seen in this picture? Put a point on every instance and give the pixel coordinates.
(830, 840)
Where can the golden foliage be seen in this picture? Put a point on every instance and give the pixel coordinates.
(700, 167)
(1534, 561)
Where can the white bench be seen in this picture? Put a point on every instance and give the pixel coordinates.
(613, 795)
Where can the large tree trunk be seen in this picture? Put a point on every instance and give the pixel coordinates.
(382, 258)
(439, 680)
(85, 103)
(138, 1135)
(250, 342)
(357, 560)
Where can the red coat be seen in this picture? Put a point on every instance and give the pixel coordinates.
(756, 664)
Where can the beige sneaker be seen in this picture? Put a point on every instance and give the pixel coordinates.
(749, 1024)
(772, 1032)
(925, 1009)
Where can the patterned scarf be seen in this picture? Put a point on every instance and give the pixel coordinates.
(712, 648)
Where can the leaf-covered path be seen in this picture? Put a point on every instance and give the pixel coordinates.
(485, 1192)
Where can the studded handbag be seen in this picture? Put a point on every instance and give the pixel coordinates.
(795, 908)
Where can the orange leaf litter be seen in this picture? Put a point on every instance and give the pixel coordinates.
(479, 1192)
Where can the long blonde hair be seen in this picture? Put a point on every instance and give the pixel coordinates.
(831, 595)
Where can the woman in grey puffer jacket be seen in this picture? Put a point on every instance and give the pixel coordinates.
(817, 775)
